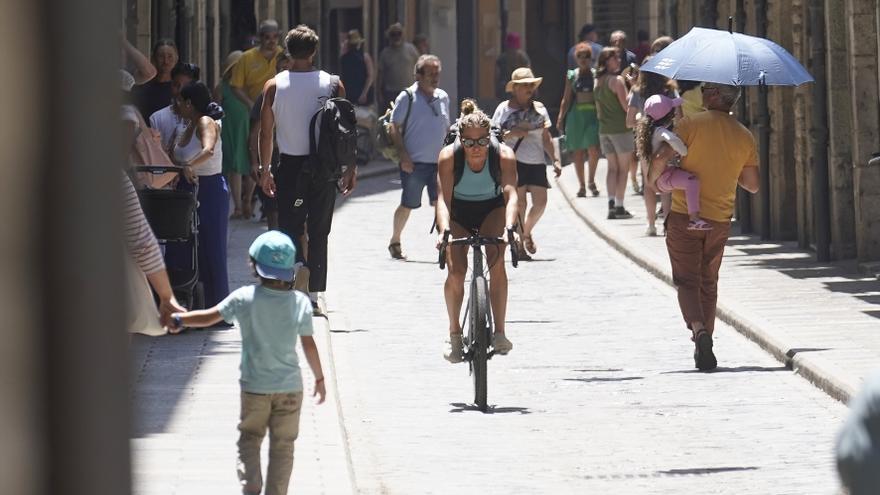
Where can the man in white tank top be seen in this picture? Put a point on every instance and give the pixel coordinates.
(289, 102)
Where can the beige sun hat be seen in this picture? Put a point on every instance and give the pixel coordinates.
(231, 60)
(523, 75)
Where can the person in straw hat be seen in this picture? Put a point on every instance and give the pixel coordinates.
(356, 69)
(235, 130)
(526, 125)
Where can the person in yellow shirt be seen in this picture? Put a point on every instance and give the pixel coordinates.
(257, 65)
(722, 154)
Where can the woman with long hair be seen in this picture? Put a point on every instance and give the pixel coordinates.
(578, 119)
(526, 126)
(648, 85)
(615, 138)
(199, 150)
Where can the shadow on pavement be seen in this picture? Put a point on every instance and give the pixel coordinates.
(163, 369)
(672, 472)
(604, 379)
(797, 350)
(460, 407)
(708, 470)
(737, 369)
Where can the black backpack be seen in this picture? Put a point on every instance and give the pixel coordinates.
(494, 161)
(336, 145)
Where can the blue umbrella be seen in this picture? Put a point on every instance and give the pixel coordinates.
(712, 55)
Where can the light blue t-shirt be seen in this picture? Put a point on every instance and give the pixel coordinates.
(427, 125)
(270, 322)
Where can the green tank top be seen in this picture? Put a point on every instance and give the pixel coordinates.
(476, 186)
(612, 118)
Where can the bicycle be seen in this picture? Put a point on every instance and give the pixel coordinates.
(478, 312)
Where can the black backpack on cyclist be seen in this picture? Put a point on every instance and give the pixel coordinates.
(494, 161)
(336, 144)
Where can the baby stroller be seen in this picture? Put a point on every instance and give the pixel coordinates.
(172, 214)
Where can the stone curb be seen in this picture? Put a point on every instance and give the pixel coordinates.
(331, 367)
(813, 369)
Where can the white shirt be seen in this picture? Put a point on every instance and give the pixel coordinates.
(298, 95)
(185, 153)
(168, 123)
(531, 149)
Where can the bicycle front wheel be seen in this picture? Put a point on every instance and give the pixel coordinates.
(478, 338)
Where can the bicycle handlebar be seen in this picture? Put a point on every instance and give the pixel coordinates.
(477, 240)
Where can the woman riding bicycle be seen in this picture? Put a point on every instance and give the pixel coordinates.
(477, 196)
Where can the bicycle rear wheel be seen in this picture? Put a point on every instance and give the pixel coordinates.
(478, 339)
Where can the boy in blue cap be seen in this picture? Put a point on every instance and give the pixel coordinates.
(271, 315)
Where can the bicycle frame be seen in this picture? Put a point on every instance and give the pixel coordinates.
(479, 322)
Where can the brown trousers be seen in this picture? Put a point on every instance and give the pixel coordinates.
(279, 413)
(696, 258)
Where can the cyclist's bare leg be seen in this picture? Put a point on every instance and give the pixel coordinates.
(539, 204)
(493, 226)
(456, 270)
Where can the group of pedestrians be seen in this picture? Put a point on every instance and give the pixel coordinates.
(609, 107)
(270, 95)
(479, 173)
(174, 121)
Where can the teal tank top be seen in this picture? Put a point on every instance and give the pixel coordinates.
(476, 186)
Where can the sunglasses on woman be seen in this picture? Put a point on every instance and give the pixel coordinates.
(470, 143)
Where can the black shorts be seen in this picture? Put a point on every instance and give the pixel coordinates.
(472, 214)
(531, 175)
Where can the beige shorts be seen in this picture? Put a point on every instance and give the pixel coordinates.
(617, 143)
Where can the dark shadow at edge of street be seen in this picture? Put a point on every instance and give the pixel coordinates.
(153, 406)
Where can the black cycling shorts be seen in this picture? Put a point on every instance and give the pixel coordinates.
(472, 214)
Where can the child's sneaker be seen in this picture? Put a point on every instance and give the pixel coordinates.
(651, 231)
(699, 224)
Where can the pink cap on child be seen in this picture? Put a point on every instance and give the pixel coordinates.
(659, 106)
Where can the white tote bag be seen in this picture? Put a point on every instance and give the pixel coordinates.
(143, 316)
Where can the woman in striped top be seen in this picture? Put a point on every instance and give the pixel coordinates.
(144, 250)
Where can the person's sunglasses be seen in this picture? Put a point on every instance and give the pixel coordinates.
(584, 56)
(470, 143)
(706, 87)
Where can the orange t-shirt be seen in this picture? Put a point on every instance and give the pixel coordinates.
(719, 147)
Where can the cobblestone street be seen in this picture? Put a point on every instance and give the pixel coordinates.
(598, 396)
